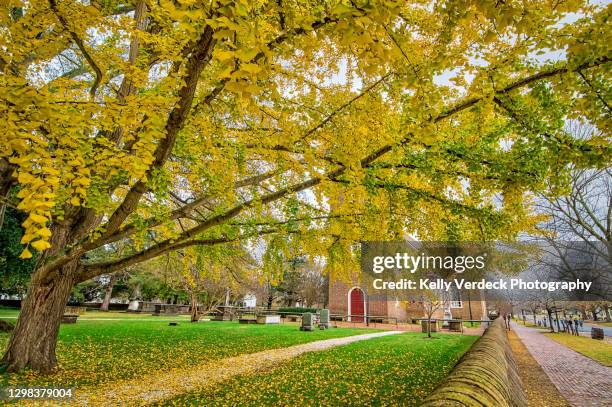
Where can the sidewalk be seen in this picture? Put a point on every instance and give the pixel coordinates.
(581, 380)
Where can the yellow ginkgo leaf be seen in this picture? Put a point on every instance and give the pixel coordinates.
(27, 238)
(41, 245)
(38, 218)
(44, 232)
(25, 254)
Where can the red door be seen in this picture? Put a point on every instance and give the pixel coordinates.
(357, 305)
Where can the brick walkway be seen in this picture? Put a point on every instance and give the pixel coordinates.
(581, 380)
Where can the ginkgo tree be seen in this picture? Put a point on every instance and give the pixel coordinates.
(309, 124)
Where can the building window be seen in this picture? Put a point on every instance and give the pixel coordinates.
(456, 304)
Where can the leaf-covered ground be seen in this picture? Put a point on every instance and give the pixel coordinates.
(98, 350)
(595, 349)
(395, 370)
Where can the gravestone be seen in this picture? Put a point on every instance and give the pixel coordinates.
(324, 319)
(69, 318)
(307, 319)
(268, 319)
(455, 326)
(433, 326)
(597, 333)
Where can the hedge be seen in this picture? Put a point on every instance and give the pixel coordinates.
(486, 375)
(297, 310)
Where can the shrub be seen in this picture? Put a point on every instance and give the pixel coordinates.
(296, 310)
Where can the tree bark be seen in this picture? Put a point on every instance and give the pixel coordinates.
(35, 335)
(108, 292)
(552, 328)
(195, 315)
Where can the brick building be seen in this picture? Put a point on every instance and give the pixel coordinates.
(354, 301)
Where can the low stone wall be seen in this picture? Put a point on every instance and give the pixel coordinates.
(485, 376)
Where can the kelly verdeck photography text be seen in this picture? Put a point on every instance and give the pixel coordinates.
(440, 284)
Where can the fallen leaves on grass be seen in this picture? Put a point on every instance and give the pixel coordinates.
(96, 352)
(396, 370)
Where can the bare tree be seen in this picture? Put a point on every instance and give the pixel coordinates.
(312, 287)
(432, 301)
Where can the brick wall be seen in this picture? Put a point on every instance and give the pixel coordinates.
(376, 304)
(380, 305)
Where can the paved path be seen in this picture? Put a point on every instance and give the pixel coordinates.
(148, 389)
(581, 380)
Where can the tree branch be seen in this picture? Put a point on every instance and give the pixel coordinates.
(79, 42)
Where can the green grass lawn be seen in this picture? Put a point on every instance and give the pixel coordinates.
(94, 351)
(608, 324)
(592, 348)
(394, 370)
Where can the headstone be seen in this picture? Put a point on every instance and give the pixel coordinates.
(307, 319)
(69, 318)
(597, 333)
(173, 324)
(433, 327)
(268, 319)
(324, 319)
(455, 326)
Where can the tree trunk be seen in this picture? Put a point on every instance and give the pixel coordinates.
(108, 292)
(195, 315)
(227, 297)
(35, 335)
(552, 328)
